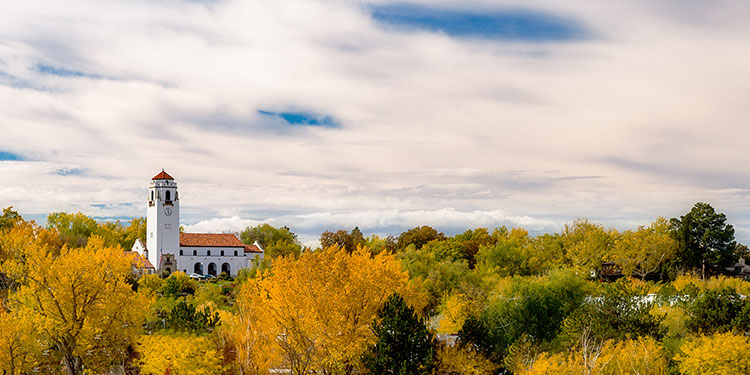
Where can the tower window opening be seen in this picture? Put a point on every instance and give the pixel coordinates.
(167, 196)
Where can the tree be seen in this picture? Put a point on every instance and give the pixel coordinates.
(716, 311)
(720, 354)
(276, 242)
(19, 348)
(314, 313)
(180, 355)
(619, 312)
(403, 344)
(512, 254)
(419, 236)
(704, 238)
(75, 229)
(343, 239)
(644, 250)
(9, 218)
(638, 356)
(456, 360)
(79, 301)
(586, 244)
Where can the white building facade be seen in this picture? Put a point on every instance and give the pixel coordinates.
(203, 253)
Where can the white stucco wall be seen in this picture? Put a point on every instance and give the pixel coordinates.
(186, 262)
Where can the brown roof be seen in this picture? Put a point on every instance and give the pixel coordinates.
(210, 240)
(252, 249)
(163, 176)
(138, 257)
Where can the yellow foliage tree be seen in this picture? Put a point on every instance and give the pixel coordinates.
(586, 244)
(455, 360)
(177, 355)
(315, 313)
(18, 346)
(635, 357)
(630, 357)
(720, 354)
(642, 251)
(77, 299)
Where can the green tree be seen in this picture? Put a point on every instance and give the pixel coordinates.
(276, 242)
(716, 311)
(586, 244)
(704, 238)
(404, 344)
(343, 239)
(620, 311)
(9, 218)
(419, 236)
(75, 229)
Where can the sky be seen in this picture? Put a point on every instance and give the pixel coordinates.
(330, 114)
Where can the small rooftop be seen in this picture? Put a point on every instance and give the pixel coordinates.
(163, 176)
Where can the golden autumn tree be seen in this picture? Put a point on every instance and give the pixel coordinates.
(720, 354)
(642, 251)
(641, 356)
(458, 360)
(18, 346)
(177, 355)
(586, 244)
(78, 299)
(315, 313)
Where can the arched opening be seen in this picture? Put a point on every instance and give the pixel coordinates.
(212, 269)
(208, 253)
(222, 253)
(226, 268)
(235, 253)
(198, 268)
(180, 252)
(169, 270)
(195, 252)
(167, 196)
(152, 195)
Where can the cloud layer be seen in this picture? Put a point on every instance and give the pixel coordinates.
(320, 114)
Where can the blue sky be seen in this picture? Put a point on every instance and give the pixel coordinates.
(385, 115)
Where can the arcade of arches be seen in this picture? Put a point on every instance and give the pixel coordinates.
(225, 267)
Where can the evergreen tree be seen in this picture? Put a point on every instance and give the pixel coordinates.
(404, 344)
(704, 238)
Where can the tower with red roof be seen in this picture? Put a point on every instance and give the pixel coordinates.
(162, 220)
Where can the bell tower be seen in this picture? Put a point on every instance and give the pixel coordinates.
(163, 221)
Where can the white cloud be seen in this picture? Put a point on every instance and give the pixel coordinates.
(642, 120)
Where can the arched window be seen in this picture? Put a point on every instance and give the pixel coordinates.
(169, 270)
(180, 252)
(222, 253)
(212, 269)
(208, 253)
(167, 196)
(152, 195)
(198, 268)
(195, 252)
(226, 268)
(235, 253)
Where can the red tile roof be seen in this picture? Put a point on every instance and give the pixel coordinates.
(252, 249)
(210, 240)
(139, 258)
(163, 176)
